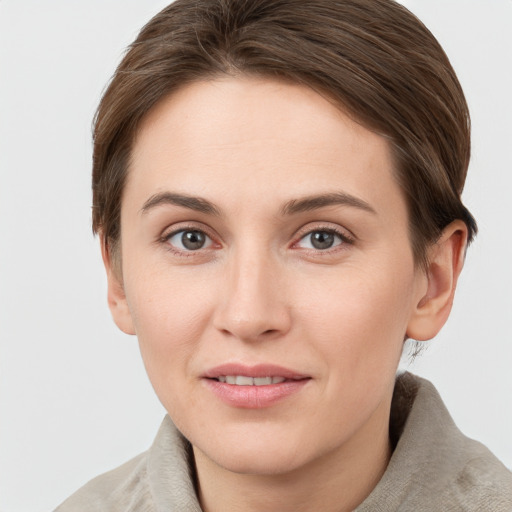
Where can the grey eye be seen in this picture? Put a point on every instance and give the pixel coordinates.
(189, 240)
(320, 240)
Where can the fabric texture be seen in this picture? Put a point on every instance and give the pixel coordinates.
(434, 468)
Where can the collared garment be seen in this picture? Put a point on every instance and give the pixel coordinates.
(434, 468)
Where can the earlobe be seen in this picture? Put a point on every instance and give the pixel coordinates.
(445, 262)
(115, 293)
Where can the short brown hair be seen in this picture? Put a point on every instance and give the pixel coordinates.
(373, 57)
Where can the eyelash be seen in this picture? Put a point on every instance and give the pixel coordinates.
(343, 237)
(166, 237)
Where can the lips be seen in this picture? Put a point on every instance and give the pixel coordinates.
(254, 371)
(253, 387)
(244, 380)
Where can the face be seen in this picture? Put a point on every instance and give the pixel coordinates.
(267, 272)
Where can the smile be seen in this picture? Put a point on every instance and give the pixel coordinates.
(254, 386)
(243, 380)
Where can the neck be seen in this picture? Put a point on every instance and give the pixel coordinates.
(338, 481)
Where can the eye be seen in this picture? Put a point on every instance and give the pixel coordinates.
(321, 240)
(189, 240)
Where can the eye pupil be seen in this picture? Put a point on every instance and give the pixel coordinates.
(322, 239)
(193, 240)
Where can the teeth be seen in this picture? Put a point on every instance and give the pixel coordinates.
(242, 380)
(262, 381)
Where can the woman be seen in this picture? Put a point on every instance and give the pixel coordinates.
(277, 192)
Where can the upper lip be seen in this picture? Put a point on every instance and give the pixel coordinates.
(258, 370)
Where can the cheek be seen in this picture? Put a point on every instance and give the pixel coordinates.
(357, 328)
(170, 312)
(359, 317)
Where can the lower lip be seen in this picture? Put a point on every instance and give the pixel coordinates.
(255, 397)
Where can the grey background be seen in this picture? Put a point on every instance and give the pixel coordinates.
(74, 397)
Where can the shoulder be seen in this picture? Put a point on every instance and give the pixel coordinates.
(159, 479)
(123, 489)
(434, 465)
(463, 475)
(483, 483)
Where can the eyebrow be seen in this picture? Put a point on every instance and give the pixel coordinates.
(319, 201)
(290, 208)
(193, 203)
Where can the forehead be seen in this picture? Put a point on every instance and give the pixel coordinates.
(235, 137)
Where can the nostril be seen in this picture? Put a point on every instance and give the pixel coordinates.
(256, 320)
(251, 336)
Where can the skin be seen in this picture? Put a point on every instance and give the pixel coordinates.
(259, 291)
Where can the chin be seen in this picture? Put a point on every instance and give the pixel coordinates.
(257, 462)
(258, 452)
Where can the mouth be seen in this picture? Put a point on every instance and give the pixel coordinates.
(254, 387)
(244, 380)
(252, 375)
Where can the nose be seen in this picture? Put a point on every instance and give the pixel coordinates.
(252, 302)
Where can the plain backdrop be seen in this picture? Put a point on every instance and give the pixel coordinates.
(74, 397)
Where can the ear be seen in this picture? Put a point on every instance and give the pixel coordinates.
(445, 262)
(115, 294)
